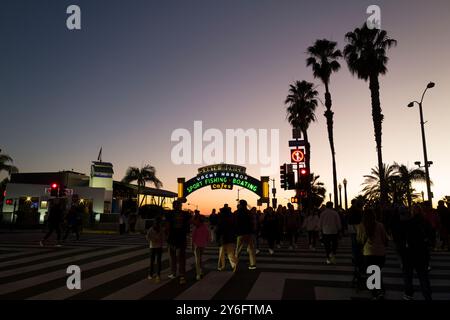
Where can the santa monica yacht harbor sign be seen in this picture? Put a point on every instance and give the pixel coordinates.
(224, 176)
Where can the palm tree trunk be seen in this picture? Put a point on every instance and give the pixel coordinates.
(377, 117)
(308, 165)
(329, 116)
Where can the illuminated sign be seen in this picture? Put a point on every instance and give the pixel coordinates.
(297, 155)
(221, 180)
(221, 167)
(223, 177)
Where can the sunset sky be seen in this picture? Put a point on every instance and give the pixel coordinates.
(138, 70)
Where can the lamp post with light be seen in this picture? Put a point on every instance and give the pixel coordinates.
(345, 193)
(340, 195)
(424, 144)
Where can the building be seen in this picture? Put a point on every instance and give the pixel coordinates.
(29, 193)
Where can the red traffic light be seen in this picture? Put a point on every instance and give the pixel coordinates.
(303, 171)
(54, 185)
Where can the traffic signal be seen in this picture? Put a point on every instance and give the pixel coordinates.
(304, 172)
(54, 190)
(290, 181)
(283, 170)
(304, 179)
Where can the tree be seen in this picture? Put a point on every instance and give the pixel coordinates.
(406, 177)
(372, 182)
(366, 58)
(6, 166)
(301, 105)
(318, 191)
(142, 176)
(399, 179)
(323, 58)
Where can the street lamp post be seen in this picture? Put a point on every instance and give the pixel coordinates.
(238, 190)
(424, 144)
(345, 193)
(340, 195)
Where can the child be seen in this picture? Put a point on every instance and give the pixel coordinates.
(155, 239)
(200, 238)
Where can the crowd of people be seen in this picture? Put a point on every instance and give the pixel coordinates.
(414, 233)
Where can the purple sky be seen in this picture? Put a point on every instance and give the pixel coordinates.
(140, 69)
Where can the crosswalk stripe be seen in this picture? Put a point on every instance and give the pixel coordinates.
(142, 288)
(52, 255)
(68, 261)
(207, 287)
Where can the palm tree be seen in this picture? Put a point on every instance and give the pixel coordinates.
(142, 176)
(372, 182)
(6, 166)
(323, 58)
(301, 105)
(406, 177)
(318, 191)
(366, 58)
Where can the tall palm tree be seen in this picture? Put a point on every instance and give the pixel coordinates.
(406, 177)
(301, 105)
(323, 58)
(366, 58)
(372, 182)
(142, 176)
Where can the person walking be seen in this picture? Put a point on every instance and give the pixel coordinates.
(292, 219)
(73, 219)
(372, 238)
(177, 229)
(270, 229)
(312, 225)
(444, 217)
(256, 228)
(281, 226)
(245, 233)
(411, 235)
(122, 222)
(354, 219)
(330, 226)
(226, 238)
(213, 220)
(132, 220)
(155, 238)
(55, 218)
(201, 236)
